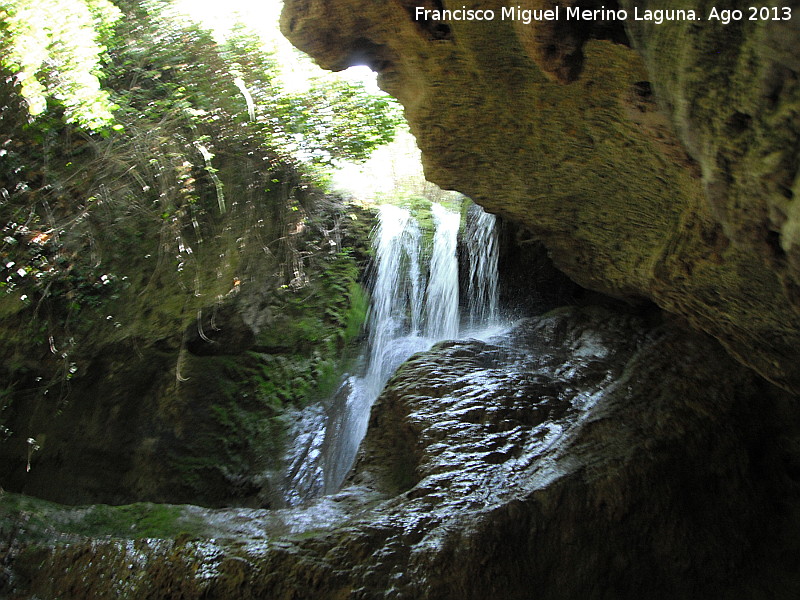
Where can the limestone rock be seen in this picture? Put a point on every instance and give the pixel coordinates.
(654, 161)
(590, 453)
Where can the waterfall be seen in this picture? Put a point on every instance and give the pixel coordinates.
(397, 308)
(394, 325)
(483, 250)
(406, 316)
(442, 295)
(319, 463)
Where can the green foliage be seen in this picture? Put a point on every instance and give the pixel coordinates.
(122, 239)
(312, 329)
(53, 48)
(336, 120)
(356, 314)
(234, 409)
(161, 66)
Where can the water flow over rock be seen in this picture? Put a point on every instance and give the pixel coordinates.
(397, 306)
(483, 252)
(395, 321)
(406, 316)
(591, 454)
(442, 298)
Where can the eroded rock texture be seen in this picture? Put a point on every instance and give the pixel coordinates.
(652, 160)
(588, 454)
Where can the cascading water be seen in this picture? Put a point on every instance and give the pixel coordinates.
(405, 317)
(394, 321)
(483, 251)
(442, 294)
(397, 307)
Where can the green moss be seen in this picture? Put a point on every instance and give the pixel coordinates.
(328, 377)
(234, 403)
(229, 430)
(229, 409)
(132, 521)
(36, 520)
(356, 313)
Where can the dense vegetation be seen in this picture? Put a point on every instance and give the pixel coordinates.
(173, 276)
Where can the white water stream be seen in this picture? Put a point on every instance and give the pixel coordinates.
(441, 305)
(483, 250)
(409, 313)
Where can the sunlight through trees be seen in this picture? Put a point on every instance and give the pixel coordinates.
(54, 47)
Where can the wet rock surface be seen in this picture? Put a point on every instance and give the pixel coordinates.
(589, 453)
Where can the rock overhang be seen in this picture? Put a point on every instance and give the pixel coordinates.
(654, 160)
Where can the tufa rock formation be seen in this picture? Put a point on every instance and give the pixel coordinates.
(589, 453)
(653, 160)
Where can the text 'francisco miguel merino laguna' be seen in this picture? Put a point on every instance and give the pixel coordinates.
(576, 13)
